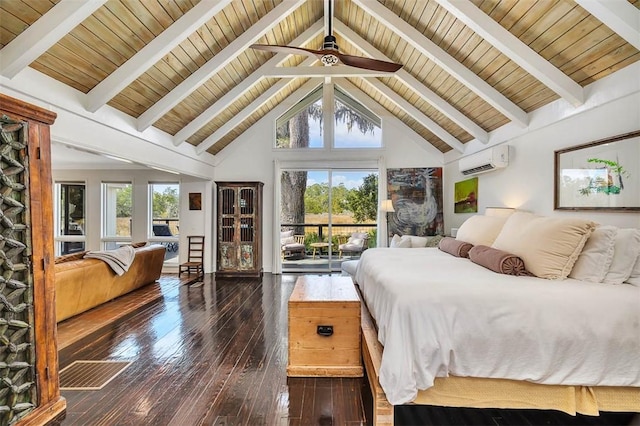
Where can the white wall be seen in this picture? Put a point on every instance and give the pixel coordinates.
(197, 222)
(528, 182)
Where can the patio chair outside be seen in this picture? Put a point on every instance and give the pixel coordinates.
(357, 243)
(291, 245)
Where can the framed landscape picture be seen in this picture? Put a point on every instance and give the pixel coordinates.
(601, 175)
(466, 196)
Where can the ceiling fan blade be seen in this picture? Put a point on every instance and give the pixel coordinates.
(287, 49)
(368, 63)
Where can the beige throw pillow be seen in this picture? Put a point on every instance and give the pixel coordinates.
(596, 256)
(480, 229)
(549, 246)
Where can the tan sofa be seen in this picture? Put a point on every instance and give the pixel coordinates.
(82, 284)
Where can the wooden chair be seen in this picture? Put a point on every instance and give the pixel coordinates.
(195, 257)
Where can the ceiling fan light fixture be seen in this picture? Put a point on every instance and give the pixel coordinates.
(330, 43)
(329, 60)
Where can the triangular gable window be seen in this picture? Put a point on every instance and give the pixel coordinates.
(355, 126)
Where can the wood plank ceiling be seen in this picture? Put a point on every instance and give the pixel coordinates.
(560, 33)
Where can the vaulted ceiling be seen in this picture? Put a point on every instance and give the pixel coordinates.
(186, 68)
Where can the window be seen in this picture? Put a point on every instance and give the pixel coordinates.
(355, 125)
(70, 215)
(164, 199)
(117, 202)
(302, 126)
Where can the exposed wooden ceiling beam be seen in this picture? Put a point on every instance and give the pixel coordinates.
(321, 71)
(44, 33)
(242, 115)
(411, 82)
(145, 58)
(445, 61)
(527, 58)
(414, 112)
(619, 15)
(372, 104)
(246, 84)
(215, 64)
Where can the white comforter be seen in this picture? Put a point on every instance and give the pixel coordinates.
(439, 315)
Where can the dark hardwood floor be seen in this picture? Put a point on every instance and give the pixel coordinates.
(217, 354)
(214, 354)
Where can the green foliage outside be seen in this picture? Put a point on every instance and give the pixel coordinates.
(166, 204)
(124, 201)
(361, 201)
(316, 199)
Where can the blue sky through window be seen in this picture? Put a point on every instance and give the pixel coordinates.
(350, 179)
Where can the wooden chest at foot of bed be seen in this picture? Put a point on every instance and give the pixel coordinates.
(324, 328)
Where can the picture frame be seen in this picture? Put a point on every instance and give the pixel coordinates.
(416, 196)
(195, 201)
(465, 197)
(603, 175)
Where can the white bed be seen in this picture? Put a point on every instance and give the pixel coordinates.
(438, 315)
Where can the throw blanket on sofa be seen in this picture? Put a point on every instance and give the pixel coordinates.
(119, 259)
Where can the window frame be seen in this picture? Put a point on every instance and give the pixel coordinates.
(106, 239)
(60, 238)
(170, 242)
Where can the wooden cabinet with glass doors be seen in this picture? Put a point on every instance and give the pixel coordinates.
(239, 229)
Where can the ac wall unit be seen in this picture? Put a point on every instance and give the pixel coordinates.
(485, 161)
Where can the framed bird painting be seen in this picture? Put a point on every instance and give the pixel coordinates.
(416, 196)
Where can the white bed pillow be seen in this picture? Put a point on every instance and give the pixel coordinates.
(480, 229)
(400, 242)
(549, 246)
(634, 279)
(417, 242)
(596, 256)
(626, 252)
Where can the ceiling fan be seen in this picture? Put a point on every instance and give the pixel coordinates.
(330, 55)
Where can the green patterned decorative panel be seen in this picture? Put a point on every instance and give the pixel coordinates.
(17, 354)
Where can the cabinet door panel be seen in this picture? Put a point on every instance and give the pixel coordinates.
(246, 257)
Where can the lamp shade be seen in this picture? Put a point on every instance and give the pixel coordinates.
(386, 206)
(499, 211)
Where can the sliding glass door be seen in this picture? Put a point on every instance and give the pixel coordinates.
(331, 212)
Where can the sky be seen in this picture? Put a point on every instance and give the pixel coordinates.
(350, 179)
(344, 139)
